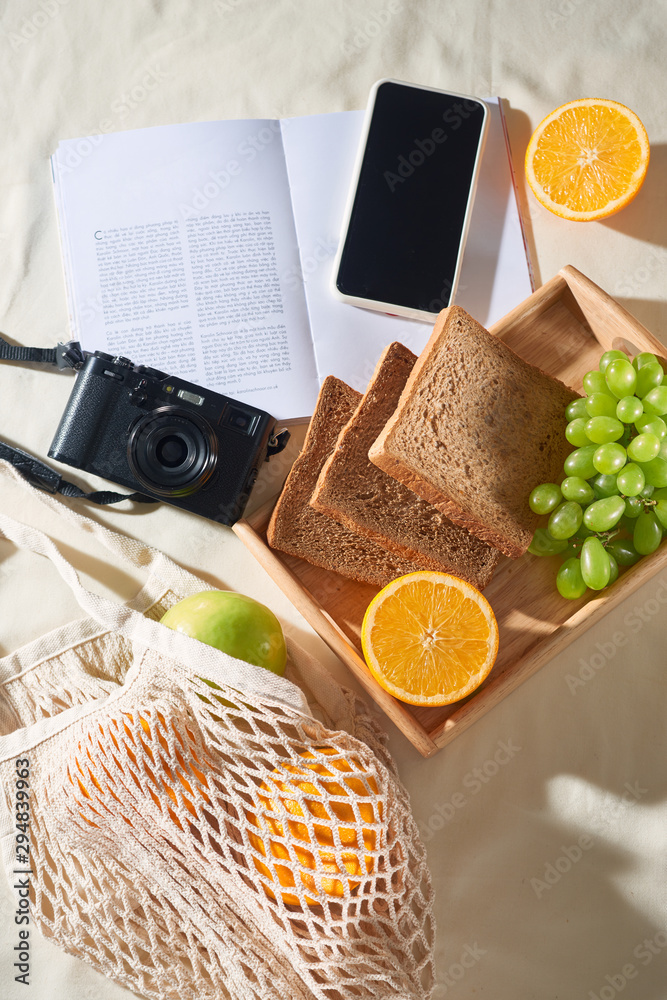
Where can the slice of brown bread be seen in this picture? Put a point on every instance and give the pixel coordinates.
(365, 499)
(297, 528)
(476, 428)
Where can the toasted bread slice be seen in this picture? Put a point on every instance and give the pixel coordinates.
(297, 528)
(476, 428)
(365, 499)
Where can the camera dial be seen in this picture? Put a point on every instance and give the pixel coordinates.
(171, 451)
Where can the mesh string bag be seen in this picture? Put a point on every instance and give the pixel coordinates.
(201, 828)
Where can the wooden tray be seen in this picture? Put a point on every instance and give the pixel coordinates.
(563, 327)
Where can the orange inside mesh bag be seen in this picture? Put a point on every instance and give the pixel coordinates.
(237, 850)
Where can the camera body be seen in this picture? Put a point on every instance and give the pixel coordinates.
(161, 436)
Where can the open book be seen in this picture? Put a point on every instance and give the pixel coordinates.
(206, 250)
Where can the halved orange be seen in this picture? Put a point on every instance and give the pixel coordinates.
(429, 638)
(587, 159)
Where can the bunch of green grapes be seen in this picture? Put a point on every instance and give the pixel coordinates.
(611, 507)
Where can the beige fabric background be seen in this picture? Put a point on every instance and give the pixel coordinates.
(546, 822)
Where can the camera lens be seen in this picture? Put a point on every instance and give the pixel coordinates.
(172, 452)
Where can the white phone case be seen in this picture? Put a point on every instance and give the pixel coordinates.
(391, 307)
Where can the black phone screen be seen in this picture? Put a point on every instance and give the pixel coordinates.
(407, 220)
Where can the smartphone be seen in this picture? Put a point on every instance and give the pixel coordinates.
(411, 200)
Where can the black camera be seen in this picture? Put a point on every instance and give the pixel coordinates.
(164, 437)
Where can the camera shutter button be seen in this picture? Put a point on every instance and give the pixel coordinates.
(123, 362)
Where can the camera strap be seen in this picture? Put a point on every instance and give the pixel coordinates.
(63, 356)
(45, 478)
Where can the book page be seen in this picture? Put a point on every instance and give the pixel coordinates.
(180, 252)
(320, 151)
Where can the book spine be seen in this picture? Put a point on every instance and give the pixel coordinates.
(503, 120)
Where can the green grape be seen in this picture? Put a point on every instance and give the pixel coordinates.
(543, 544)
(576, 488)
(565, 520)
(575, 432)
(655, 472)
(629, 409)
(609, 458)
(613, 576)
(623, 551)
(631, 480)
(605, 486)
(600, 430)
(569, 581)
(650, 424)
(644, 358)
(583, 532)
(595, 381)
(648, 490)
(633, 507)
(604, 514)
(610, 356)
(648, 377)
(663, 451)
(580, 462)
(660, 511)
(644, 447)
(601, 404)
(647, 534)
(660, 494)
(621, 378)
(544, 498)
(595, 565)
(577, 408)
(655, 401)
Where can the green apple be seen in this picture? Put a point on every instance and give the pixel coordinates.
(234, 623)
